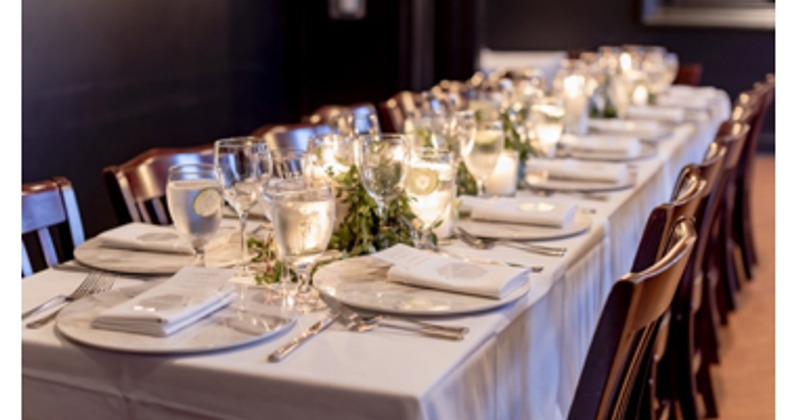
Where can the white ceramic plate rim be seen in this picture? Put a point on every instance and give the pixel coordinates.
(73, 322)
(582, 186)
(581, 224)
(647, 150)
(328, 280)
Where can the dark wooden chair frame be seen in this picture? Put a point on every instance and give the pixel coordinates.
(50, 207)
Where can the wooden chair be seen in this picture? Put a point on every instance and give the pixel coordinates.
(49, 209)
(692, 335)
(614, 377)
(293, 136)
(360, 117)
(760, 98)
(138, 187)
(689, 74)
(395, 110)
(720, 263)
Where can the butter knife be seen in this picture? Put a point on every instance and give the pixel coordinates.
(292, 345)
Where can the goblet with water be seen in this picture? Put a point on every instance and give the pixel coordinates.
(194, 199)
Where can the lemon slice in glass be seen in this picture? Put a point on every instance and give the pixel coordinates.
(421, 181)
(207, 202)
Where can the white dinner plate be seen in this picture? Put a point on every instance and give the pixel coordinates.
(224, 329)
(646, 150)
(536, 182)
(221, 252)
(521, 232)
(646, 130)
(361, 282)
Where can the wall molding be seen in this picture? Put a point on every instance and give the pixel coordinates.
(756, 17)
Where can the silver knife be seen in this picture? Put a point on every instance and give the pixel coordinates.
(352, 320)
(313, 330)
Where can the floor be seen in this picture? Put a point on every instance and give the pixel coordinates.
(745, 378)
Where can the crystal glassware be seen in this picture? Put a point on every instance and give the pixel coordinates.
(194, 199)
(481, 152)
(303, 216)
(431, 188)
(545, 124)
(381, 160)
(245, 164)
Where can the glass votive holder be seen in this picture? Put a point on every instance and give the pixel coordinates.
(504, 178)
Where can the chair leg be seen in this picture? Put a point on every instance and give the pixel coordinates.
(707, 323)
(707, 390)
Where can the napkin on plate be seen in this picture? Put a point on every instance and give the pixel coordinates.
(522, 210)
(609, 144)
(188, 296)
(644, 129)
(147, 237)
(662, 113)
(419, 268)
(576, 170)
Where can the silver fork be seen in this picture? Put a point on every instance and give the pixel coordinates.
(94, 283)
(483, 243)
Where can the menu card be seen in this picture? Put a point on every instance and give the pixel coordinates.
(420, 268)
(147, 237)
(188, 296)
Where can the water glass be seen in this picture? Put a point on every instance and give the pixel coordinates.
(431, 188)
(303, 216)
(194, 199)
(481, 153)
(545, 125)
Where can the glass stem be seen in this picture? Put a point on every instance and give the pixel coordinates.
(305, 285)
(243, 241)
(200, 256)
(481, 184)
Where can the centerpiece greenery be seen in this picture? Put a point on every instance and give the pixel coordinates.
(359, 232)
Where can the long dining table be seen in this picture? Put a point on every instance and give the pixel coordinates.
(519, 361)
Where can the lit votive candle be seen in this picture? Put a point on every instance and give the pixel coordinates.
(503, 181)
(639, 95)
(576, 105)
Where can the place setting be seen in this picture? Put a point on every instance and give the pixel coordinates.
(573, 175)
(605, 147)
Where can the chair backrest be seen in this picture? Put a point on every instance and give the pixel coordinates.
(49, 207)
(138, 187)
(689, 74)
(293, 136)
(395, 110)
(364, 117)
(689, 190)
(610, 385)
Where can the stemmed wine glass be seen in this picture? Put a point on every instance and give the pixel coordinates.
(431, 187)
(381, 161)
(482, 151)
(245, 164)
(303, 214)
(194, 199)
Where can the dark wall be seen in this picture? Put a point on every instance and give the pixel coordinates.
(732, 59)
(105, 80)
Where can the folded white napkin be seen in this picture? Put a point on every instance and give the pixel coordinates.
(523, 210)
(188, 296)
(576, 170)
(616, 145)
(147, 237)
(662, 113)
(645, 129)
(690, 102)
(419, 268)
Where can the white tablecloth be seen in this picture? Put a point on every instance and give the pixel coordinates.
(521, 361)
